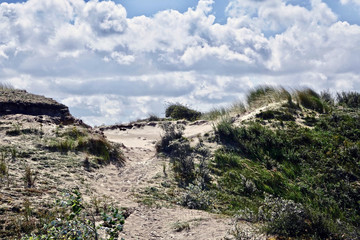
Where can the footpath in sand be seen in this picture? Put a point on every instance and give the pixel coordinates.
(141, 170)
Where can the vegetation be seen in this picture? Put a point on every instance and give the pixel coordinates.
(349, 99)
(6, 86)
(263, 95)
(76, 140)
(299, 182)
(178, 111)
(74, 219)
(29, 177)
(190, 164)
(310, 99)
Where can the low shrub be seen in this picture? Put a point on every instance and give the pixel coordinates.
(290, 219)
(183, 156)
(153, 118)
(179, 111)
(172, 132)
(196, 198)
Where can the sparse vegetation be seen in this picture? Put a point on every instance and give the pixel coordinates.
(181, 226)
(29, 177)
(4, 171)
(75, 219)
(190, 165)
(298, 182)
(76, 140)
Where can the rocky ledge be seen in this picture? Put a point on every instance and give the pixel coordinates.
(21, 102)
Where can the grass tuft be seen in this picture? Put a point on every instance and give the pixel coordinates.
(263, 95)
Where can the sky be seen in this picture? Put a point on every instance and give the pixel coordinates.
(121, 60)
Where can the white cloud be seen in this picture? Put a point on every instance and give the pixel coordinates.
(109, 68)
(350, 1)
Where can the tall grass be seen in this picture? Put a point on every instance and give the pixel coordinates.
(220, 112)
(310, 99)
(263, 95)
(6, 86)
(215, 113)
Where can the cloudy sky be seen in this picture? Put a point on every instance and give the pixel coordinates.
(120, 60)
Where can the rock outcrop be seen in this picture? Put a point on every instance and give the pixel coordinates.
(21, 102)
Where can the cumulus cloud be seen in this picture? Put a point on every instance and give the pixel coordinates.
(110, 68)
(350, 1)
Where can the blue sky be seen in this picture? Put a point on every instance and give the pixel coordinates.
(116, 61)
(346, 12)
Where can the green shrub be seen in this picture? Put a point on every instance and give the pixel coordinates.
(179, 111)
(327, 97)
(278, 115)
(349, 99)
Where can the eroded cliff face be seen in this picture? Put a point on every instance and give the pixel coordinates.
(21, 102)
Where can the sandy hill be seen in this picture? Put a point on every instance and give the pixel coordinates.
(38, 135)
(260, 172)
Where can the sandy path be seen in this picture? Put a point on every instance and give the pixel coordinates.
(142, 170)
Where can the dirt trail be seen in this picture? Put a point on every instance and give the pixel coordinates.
(143, 169)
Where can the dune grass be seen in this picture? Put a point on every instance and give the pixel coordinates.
(6, 86)
(301, 182)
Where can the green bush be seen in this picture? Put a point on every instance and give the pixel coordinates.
(179, 111)
(349, 99)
